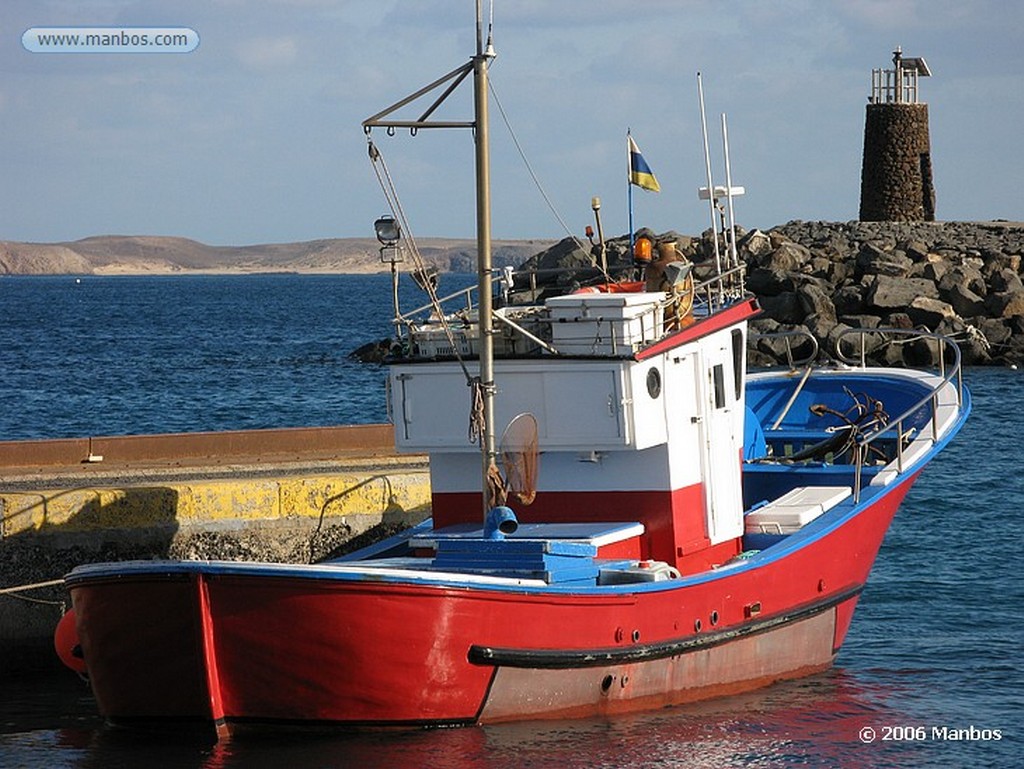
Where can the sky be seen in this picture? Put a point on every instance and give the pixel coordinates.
(255, 135)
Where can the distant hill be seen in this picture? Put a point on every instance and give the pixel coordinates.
(149, 255)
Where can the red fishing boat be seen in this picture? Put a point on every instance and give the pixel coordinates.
(653, 525)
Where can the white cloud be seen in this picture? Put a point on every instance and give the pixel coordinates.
(267, 53)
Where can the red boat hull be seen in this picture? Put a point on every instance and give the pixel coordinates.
(239, 646)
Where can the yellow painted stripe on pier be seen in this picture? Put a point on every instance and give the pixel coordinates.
(198, 502)
(340, 495)
(227, 500)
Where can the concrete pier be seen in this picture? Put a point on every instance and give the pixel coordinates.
(295, 495)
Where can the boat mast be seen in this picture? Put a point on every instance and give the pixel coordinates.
(483, 385)
(481, 61)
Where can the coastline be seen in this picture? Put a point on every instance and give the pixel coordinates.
(158, 255)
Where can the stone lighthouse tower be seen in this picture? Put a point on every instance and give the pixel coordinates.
(896, 175)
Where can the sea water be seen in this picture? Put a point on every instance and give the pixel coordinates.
(929, 676)
(83, 356)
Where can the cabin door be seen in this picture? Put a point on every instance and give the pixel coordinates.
(720, 459)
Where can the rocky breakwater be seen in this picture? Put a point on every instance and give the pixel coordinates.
(960, 279)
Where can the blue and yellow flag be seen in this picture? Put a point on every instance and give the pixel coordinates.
(639, 172)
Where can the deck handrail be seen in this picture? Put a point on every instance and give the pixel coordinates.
(787, 334)
(707, 294)
(467, 292)
(651, 318)
(955, 369)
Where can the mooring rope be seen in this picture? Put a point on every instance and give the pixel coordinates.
(33, 586)
(14, 590)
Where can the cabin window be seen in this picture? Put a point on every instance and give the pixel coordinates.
(738, 349)
(653, 382)
(718, 380)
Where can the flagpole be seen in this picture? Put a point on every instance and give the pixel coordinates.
(629, 191)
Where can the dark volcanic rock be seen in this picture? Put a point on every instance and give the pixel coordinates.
(849, 300)
(930, 313)
(957, 278)
(886, 293)
(872, 260)
(372, 352)
(965, 302)
(767, 282)
(784, 307)
(816, 299)
(1006, 304)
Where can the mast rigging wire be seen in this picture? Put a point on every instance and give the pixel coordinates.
(387, 185)
(535, 178)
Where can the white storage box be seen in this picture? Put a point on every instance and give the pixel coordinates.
(795, 509)
(434, 342)
(642, 571)
(605, 324)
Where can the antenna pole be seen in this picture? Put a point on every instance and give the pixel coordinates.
(732, 256)
(711, 186)
(479, 27)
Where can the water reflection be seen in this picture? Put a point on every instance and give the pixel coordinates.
(813, 722)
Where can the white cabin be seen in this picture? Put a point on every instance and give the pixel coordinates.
(634, 424)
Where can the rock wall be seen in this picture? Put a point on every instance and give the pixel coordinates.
(956, 278)
(896, 176)
(962, 279)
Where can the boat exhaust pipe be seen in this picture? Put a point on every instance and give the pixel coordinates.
(500, 522)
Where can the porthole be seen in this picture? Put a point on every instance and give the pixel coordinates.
(653, 382)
